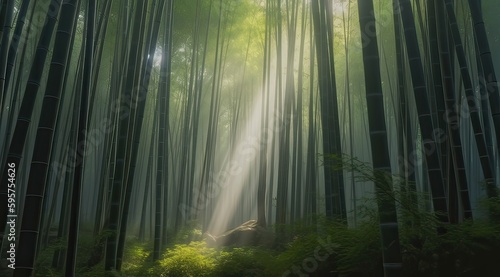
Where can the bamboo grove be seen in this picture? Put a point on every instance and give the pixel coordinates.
(131, 118)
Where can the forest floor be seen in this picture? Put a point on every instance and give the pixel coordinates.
(466, 249)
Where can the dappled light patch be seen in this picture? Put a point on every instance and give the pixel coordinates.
(194, 259)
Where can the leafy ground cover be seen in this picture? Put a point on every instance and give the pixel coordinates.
(332, 249)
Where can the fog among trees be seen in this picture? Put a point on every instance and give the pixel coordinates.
(249, 137)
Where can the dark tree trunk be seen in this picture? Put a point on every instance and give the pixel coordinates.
(334, 182)
(424, 114)
(26, 110)
(379, 142)
(74, 218)
(43, 142)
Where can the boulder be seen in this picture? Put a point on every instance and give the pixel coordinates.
(247, 234)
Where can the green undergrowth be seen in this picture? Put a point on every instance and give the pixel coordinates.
(316, 246)
(467, 249)
(323, 249)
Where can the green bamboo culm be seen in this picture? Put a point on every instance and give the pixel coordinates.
(379, 142)
(35, 191)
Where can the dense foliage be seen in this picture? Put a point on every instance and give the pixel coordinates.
(209, 137)
(467, 249)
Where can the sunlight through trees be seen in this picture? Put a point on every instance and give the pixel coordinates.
(249, 137)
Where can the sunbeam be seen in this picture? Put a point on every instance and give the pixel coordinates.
(235, 173)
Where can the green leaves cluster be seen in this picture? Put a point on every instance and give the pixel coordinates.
(194, 259)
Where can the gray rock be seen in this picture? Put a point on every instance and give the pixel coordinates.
(247, 234)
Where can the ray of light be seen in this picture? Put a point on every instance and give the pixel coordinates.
(229, 191)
